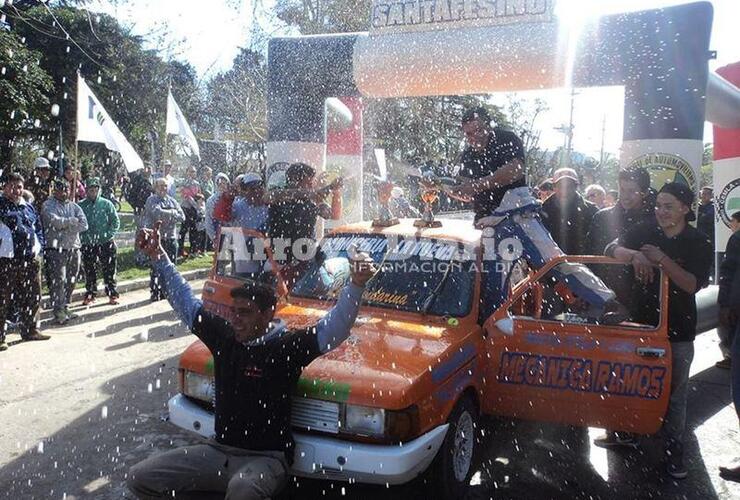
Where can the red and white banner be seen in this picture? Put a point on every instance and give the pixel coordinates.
(726, 169)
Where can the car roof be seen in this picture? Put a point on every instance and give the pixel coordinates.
(451, 229)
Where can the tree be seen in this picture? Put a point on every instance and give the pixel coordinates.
(23, 92)
(238, 99)
(130, 82)
(324, 16)
(421, 130)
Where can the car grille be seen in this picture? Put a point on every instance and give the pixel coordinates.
(315, 415)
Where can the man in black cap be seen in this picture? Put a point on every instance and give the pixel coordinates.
(685, 255)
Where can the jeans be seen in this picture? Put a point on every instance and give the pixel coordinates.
(674, 422)
(198, 241)
(189, 227)
(62, 268)
(140, 257)
(195, 471)
(21, 291)
(105, 253)
(155, 287)
(726, 335)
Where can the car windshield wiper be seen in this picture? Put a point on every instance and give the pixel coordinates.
(432, 297)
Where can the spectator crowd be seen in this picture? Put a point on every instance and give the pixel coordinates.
(60, 228)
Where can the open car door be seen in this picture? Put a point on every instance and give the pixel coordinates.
(551, 363)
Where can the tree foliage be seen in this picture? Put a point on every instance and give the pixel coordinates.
(130, 81)
(324, 16)
(237, 100)
(23, 89)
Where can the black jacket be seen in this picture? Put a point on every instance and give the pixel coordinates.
(569, 224)
(254, 383)
(729, 274)
(705, 220)
(139, 191)
(611, 223)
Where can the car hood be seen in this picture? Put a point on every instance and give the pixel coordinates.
(387, 361)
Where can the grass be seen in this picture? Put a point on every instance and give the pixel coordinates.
(126, 207)
(128, 270)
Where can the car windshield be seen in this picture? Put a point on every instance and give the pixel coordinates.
(242, 256)
(416, 275)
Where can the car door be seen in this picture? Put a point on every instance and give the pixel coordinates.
(562, 368)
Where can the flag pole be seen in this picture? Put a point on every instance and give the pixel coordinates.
(164, 147)
(77, 166)
(77, 171)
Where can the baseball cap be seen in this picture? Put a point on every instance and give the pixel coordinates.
(250, 178)
(92, 182)
(682, 193)
(564, 173)
(41, 162)
(61, 184)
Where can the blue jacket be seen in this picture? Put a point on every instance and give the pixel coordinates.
(25, 225)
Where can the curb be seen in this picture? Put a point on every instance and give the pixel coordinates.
(123, 287)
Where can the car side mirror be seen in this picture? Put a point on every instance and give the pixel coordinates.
(504, 325)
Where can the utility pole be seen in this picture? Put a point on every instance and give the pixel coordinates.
(569, 136)
(567, 131)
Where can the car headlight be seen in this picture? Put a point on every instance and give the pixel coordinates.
(364, 421)
(198, 386)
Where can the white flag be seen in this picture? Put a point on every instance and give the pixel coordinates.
(178, 125)
(95, 125)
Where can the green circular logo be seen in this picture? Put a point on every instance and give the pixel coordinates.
(728, 201)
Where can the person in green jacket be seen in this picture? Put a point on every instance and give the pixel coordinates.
(98, 244)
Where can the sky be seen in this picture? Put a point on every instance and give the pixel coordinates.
(211, 37)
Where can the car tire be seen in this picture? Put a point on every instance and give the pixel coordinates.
(455, 462)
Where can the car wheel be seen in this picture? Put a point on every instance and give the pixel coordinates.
(454, 464)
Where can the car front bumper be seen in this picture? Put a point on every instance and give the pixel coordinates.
(322, 457)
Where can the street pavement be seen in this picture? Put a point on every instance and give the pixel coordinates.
(77, 411)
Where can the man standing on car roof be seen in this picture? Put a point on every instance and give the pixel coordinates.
(257, 363)
(685, 255)
(492, 177)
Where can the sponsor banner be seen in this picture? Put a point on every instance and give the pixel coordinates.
(726, 198)
(726, 169)
(727, 140)
(667, 160)
(582, 375)
(394, 16)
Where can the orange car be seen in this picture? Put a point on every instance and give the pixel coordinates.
(405, 391)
